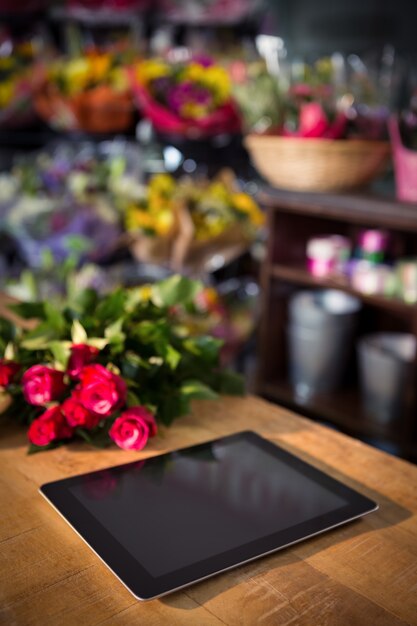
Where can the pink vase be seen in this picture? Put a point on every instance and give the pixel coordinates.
(405, 165)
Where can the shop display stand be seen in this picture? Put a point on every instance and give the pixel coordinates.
(292, 219)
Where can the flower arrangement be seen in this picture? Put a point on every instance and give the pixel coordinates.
(17, 85)
(89, 93)
(108, 368)
(187, 215)
(192, 99)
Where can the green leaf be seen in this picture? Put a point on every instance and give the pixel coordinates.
(78, 334)
(172, 357)
(61, 351)
(86, 301)
(131, 364)
(54, 317)
(205, 347)
(230, 383)
(29, 310)
(195, 389)
(39, 338)
(170, 406)
(10, 352)
(98, 342)
(112, 306)
(176, 289)
(114, 332)
(132, 399)
(34, 449)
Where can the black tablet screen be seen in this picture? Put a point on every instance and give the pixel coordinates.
(181, 508)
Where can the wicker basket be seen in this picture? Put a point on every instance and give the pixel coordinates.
(317, 164)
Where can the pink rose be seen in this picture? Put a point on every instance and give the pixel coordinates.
(50, 426)
(42, 384)
(8, 370)
(133, 428)
(77, 415)
(100, 390)
(81, 355)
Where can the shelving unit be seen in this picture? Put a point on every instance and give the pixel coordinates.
(292, 219)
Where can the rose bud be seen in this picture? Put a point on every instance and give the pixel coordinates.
(81, 355)
(77, 415)
(42, 384)
(8, 370)
(132, 429)
(49, 427)
(100, 390)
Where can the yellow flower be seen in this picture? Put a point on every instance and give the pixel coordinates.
(164, 222)
(194, 72)
(243, 203)
(145, 292)
(193, 111)
(162, 183)
(217, 80)
(139, 219)
(119, 79)
(99, 66)
(218, 191)
(77, 74)
(7, 89)
(146, 71)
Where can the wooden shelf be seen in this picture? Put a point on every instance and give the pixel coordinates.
(343, 408)
(366, 210)
(300, 276)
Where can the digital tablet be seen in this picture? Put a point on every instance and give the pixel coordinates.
(175, 519)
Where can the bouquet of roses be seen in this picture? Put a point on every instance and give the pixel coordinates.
(192, 99)
(89, 93)
(108, 368)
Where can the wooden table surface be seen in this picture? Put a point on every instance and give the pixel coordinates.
(361, 573)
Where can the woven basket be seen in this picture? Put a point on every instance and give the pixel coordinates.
(317, 164)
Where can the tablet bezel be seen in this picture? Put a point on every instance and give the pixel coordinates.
(144, 586)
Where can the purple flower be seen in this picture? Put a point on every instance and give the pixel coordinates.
(188, 93)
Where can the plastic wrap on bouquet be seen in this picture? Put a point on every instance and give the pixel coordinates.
(225, 119)
(181, 251)
(39, 225)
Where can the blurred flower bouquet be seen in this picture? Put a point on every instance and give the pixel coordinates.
(18, 82)
(188, 221)
(90, 93)
(321, 142)
(105, 369)
(191, 99)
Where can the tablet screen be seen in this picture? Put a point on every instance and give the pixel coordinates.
(200, 504)
(176, 518)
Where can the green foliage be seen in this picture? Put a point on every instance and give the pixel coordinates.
(163, 365)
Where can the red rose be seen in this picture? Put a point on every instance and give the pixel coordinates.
(101, 391)
(8, 370)
(42, 384)
(77, 415)
(50, 426)
(132, 429)
(81, 355)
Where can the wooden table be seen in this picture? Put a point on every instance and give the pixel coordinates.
(364, 573)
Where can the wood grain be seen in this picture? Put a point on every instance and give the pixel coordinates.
(363, 573)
